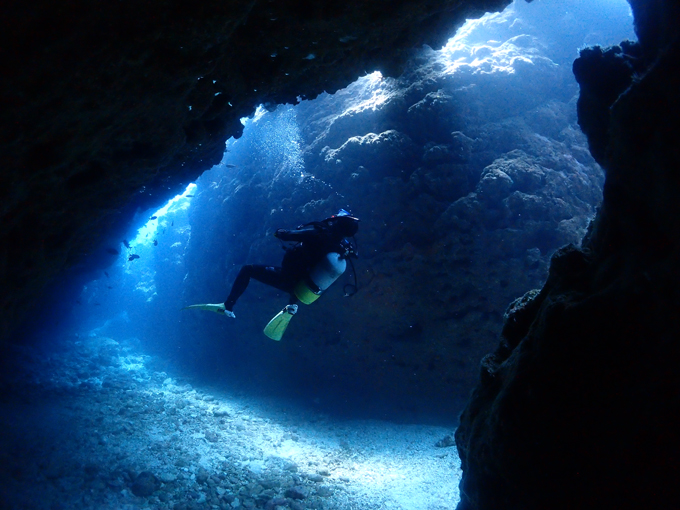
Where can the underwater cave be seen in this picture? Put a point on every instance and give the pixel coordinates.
(504, 335)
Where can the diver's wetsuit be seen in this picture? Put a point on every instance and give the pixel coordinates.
(268, 275)
(315, 241)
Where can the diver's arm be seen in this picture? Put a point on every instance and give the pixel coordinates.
(306, 233)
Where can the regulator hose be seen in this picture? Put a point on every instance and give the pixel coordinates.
(353, 288)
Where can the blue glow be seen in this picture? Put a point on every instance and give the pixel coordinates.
(146, 233)
(259, 112)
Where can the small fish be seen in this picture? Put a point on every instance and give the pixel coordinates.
(107, 274)
(190, 196)
(172, 223)
(109, 287)
(228, 165)
(153, 217)
(112, 251)
(155, 242)
(133, 257)
(127, 245)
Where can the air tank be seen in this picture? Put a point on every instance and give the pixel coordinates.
(322, 276)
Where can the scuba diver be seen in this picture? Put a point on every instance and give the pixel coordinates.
(318, 258)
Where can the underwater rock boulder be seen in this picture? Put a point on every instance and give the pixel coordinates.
(526, 175)
(460, 147)
(444, 182)
(390, 150)
(298, 492)
(549, 119)
(435, 154)
(436, 114)
(145, 484)
(494, 185)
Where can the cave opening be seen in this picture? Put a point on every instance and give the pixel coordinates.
(467, 172)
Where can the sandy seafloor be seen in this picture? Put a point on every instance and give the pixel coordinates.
(100, 425)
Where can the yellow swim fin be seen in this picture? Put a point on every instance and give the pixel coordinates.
(277, 326)
(217, 308)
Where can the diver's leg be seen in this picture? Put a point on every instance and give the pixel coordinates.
(240, 285)
(268, 275)
(275, 277)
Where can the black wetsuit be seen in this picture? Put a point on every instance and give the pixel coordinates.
(315, 241)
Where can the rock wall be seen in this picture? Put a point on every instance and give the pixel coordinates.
(110, 108)
(465, 183)
(578, 407)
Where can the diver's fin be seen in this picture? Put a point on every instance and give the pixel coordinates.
(217, 308)
(277, 326)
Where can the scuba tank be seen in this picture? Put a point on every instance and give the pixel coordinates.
(322, 275)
